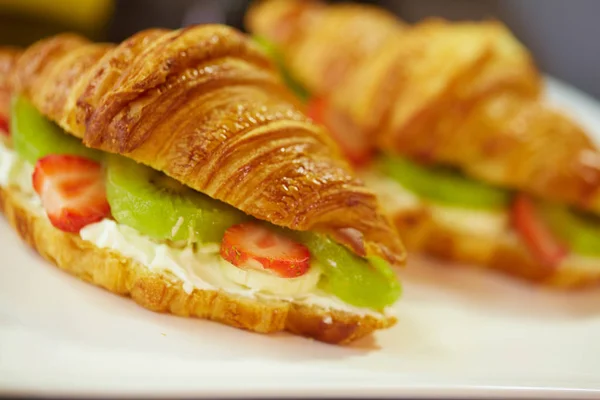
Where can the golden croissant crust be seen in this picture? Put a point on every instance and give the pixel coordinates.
(464, 94)
(306, 29)
(8, 58)
(206, 107)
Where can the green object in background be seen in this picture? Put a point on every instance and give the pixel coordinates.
(444, 185)
(276, 56)
(581, 232)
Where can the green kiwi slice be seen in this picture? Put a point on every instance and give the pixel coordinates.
(162, 208)
(35, 136)
(580, 230)
(362, 282)
(444, 185)
(293, 84)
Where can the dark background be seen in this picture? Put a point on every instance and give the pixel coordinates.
(563, 35)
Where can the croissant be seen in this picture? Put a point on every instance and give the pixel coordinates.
(204, 106)
(8, 57)
(467, 96)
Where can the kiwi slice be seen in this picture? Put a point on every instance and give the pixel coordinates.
(34, 136)
(581, 231)
(272, 51)
(444, 185)
(362, 282)
(162, 208)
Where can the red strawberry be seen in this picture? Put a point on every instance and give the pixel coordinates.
(72, 191)
(536, 235)
(4, 128)
(250, 245)
(4, 112)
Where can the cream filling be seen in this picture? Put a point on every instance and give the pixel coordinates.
(479, 222)
(198, 267)
(395, 198)
(493, 225)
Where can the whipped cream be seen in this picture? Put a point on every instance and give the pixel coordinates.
(197, 267)
(392, 195)
(8, 161)
(14, 171)
(479, 222)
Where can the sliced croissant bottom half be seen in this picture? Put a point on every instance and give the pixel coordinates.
(176, 168)
(448, 123)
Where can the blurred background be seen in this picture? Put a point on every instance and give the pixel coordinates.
(563, 35)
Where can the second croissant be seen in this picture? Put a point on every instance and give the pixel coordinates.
(448, 123)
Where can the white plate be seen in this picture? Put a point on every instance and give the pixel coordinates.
(462, 333)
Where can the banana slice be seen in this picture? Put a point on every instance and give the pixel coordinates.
(265, 282)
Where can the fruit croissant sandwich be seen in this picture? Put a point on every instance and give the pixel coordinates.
(447, 123)
(177, 168)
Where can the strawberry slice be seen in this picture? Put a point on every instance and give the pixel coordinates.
(537, 236)
(72, 191)
(4, 112)
(253, 246)
(4, 127)
(353, 142)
